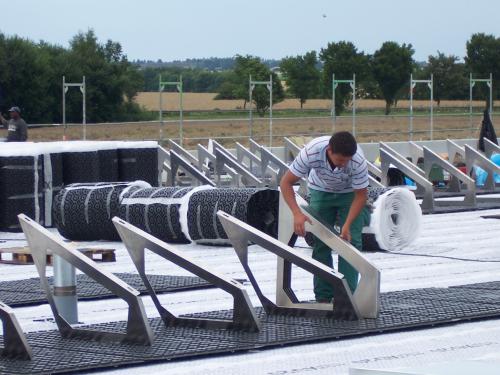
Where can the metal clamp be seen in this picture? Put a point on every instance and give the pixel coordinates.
(137, 241)
(40, 241)
(240, 233)
(15, 344)
(365, 297)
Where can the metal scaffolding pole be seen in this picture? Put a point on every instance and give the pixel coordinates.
(161, 87)
(472, 83)
(352, 84)
(82, 87)
(269, 86)
(430, 85)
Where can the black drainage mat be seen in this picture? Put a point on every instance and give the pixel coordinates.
(28, 291)
(403, 310)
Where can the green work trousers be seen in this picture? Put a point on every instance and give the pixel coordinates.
(332, 208)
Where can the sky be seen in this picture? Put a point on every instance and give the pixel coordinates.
(180, 29)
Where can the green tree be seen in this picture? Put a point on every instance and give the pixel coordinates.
(391, 67)
(237, 86)
(483, 58)
(450, 78)
(302, 76)
(343, 59)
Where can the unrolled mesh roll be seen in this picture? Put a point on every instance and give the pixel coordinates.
(396, 219)
(392, 220)
(83, 212)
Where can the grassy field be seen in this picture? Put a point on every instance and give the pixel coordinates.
(368, 129)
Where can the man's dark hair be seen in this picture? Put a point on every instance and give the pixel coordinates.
(343, 143)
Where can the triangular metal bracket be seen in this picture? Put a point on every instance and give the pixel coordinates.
(137, 241)
(15, 344)
(40, 240)
(241, 234)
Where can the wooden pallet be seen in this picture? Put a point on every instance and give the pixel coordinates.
(22, 255)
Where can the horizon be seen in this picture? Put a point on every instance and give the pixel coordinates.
(179, 30)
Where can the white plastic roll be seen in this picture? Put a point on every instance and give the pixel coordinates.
(396, 220)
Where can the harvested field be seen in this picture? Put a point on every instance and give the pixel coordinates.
(368, 129)
(206, 102)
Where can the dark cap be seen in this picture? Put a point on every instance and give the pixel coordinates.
(15, 109)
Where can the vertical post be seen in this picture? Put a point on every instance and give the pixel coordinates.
(334, 117)
(64, 106)
(491, 93)
(354, 104)
(432, 106)
(84, 91)
(65, 289)
(270, 87)
(411, 108)
(250, 90)
(471, 85)
(160, 91)
(181, 116)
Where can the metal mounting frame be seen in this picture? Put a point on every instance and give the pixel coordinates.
(177, 161)
(490, 148)
(352, 85)
(367, 294)
(457, 177)
(430, 85)
(269, 176)
(474, 157)
(137, 241)
(15, 344)
(223, 158)
(40, 240)
(269, 161)
(390, 156)
(163, 166)
(240, 233)
(204, 153)
(291, 150)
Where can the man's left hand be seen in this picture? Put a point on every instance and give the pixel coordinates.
(345, 233)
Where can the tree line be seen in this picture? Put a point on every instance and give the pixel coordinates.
(31, 73)
(385, 74)
(31, 78)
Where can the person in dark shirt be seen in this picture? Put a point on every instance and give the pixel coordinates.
(16, 126)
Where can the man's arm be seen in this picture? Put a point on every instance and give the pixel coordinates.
(357, 205)
(299, 219)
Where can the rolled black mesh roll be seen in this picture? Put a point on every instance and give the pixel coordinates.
(83, 212)
(257, 207)
(156, 211)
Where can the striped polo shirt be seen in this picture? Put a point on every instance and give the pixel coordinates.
(312, 163)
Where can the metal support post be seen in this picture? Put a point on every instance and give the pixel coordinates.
(269, 86)
(161, 87)
(472, 83)
(430, 85)
(82, 87)
(352, 85)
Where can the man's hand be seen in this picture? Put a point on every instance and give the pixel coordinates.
(345, 233)
(299, 223)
